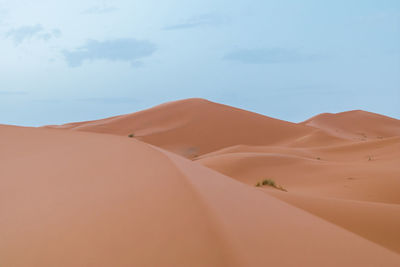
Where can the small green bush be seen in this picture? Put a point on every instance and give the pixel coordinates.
(269, 182)
(131, 135)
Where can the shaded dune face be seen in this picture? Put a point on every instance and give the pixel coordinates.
(181, 191)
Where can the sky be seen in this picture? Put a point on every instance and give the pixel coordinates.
(64, 61)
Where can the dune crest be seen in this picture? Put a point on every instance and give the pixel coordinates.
(86, 199)
(193, 127)
(356, 125)
(175, 185)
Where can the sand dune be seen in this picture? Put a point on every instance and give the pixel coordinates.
(378, 222)
(85, 194)
(356, 125)
(364, 171)
(87, 199)
(194, 127)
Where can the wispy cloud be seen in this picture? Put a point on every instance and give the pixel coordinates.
(127, 50)
(267, 56)
(21, 34)
(195, 22)
(99, 10)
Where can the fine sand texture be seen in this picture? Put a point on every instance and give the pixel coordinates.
(175, 185)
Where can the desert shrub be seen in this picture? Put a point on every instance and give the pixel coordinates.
(131, 135)
(269, 182)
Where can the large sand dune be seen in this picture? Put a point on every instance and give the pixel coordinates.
(194, 127)
(182, 191)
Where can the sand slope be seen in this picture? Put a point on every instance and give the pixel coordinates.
(85, 194)
(366, 171)
(83, 199)
(356, 125)
(378, 222)
(194, 127)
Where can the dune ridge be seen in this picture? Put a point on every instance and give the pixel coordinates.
(356, 125)
(193, 127)
(89, 199)
(181, 191)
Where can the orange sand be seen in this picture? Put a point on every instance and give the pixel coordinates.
(181, 192)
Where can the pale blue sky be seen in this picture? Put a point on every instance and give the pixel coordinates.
(72, 60)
